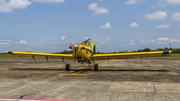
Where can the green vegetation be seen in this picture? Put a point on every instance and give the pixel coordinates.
(174, 50)
(65, 52)
(10, 56)
(173, 55)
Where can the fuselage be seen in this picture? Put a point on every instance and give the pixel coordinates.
(83, 51)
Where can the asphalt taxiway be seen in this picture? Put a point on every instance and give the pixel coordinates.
(134, 79)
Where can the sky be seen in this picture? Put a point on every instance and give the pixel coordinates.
(114, 25)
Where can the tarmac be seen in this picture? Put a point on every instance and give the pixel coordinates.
(150, 79)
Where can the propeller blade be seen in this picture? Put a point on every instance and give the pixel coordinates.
(71, 44)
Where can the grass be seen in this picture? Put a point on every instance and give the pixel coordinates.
(173, 55)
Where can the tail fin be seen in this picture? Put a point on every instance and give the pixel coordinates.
(93, 48)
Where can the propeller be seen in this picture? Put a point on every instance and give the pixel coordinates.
(75, 47)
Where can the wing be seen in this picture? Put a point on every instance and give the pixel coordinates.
(130, 55)
(41, 55)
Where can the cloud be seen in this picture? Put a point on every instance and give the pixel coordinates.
(97, 10)
(86, 38)
(106, 26)
(63, 37)
(6, 7)
(152, 6)
(130, 2)
(57, 1)
(173, 1)
(163, 40)
(5, 41)
(101, 41)
(159, 15)
(132, 43)
(160, 40)
(162, 5)
(74, 34)
(41, 21)
(68, 10)
(162, 26)
(134, 25)
(107, 39)
(23, 42)
(176, 16)
(152, 40)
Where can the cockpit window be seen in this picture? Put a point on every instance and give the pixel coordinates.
(89, 44)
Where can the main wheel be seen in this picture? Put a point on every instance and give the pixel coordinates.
(96, 67)
(67, 67)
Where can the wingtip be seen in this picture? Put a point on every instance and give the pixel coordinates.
(170, 51)
(9, 52)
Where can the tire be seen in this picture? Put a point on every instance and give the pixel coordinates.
(96, 67)
(67, 67)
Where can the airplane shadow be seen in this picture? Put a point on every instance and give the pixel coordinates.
(100, 70)
(133, 70)
(125, 70)
(41, 69)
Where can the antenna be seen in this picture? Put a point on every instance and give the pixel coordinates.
(170, 45)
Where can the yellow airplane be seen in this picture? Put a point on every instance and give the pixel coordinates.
(85, 52)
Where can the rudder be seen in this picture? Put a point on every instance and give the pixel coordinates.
(93, 48)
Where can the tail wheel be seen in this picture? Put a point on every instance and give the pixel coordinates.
(67, 67)
(96, 67)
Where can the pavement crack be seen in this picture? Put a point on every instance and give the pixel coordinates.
(154, 89)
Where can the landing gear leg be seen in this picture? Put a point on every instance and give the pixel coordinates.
(67, 67)
(96, 67)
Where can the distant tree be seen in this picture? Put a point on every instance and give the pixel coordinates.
(65, 52)
(98, 52)
(146, 50)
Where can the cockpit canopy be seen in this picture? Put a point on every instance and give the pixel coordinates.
(87, 42)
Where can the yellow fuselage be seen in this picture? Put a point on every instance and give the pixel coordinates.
(82, 54)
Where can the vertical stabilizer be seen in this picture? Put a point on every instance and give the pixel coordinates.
(93, 48)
